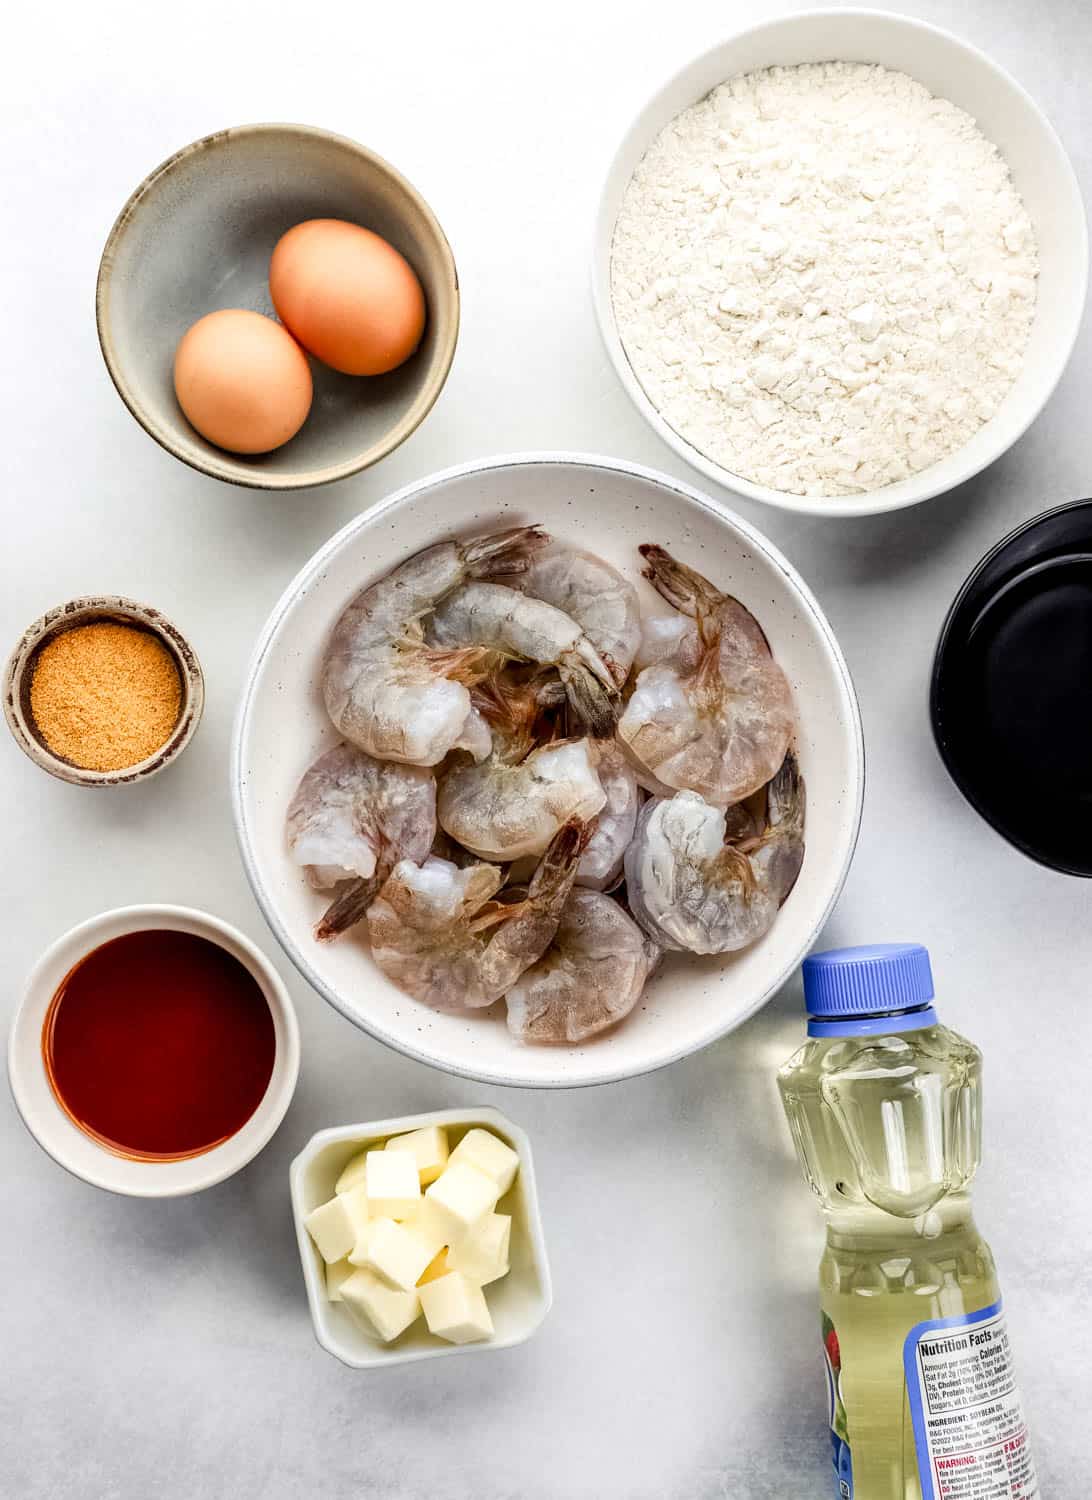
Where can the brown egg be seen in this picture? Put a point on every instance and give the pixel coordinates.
(243, 381)
(347, 295)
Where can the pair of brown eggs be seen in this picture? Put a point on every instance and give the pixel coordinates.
(342, 293)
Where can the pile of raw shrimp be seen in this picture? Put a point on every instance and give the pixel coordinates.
(504, 710)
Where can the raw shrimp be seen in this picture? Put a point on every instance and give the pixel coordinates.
(352, 819)
(389, 692)
(430, 925)
(601, 866)
(689, 889)
(589, 978)
(600, 599)
(513, 803)
(501, 619)
(712, 713)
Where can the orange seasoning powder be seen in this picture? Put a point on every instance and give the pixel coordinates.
(105, 696)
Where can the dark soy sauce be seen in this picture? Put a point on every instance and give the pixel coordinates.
(159, 1045)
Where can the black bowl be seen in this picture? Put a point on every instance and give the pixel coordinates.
(1011, 695)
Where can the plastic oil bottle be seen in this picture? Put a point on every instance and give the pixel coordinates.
(884, 1107)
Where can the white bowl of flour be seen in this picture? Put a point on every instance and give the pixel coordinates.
(840, 262)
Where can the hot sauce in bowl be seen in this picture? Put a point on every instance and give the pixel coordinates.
(159, 1045)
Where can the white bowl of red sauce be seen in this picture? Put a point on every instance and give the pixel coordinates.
(155, 1051)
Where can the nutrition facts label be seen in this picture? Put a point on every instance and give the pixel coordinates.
(969, 1428)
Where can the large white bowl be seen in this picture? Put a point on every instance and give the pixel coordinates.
(609, 507)
(1008, 116)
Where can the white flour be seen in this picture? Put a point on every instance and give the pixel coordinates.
(823, 277)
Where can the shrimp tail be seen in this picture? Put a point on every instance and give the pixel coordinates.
(530, 925)
(684, 590)
(594, 706)
(348, 907)
(503, 552)
(787, 796)
(553, 878)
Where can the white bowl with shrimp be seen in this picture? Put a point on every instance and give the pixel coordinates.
(608, 507)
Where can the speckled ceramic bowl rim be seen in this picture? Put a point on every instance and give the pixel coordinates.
(224, 469)
(86, 610)
(313, 569)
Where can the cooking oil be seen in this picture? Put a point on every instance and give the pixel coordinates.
(884, 1105)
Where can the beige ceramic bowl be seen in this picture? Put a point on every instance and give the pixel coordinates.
(197, 236)
(20, 673)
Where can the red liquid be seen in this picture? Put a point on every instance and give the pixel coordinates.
(159, 1045)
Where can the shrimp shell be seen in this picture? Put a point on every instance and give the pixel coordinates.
(436, 932)
(597, 596)
(384, 689)
(503, 811)
(600, 869)
(691, 890)
(712, 713)
(495, 617)
(353, 818)
(589, 978)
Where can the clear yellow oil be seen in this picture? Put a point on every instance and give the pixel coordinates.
(888, 1132)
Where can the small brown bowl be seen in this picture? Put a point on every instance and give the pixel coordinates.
(20, 672)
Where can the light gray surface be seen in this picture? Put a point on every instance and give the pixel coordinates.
(165, 1349)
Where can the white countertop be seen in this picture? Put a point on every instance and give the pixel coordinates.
(164, 1349)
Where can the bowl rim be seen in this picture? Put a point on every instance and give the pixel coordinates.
(69, 616)
(314, 1277)
(209, 1167)
(225, 468)
(313, 568)
(835, 506)
(945, 643)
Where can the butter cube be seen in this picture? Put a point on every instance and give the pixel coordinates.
(482, 1149)
(336, 1226)
(352, 1174)
(428, 1148)
(458, 1201)
(392, 1185)
(483, 1256)
(394, 1252)
(455, 1309)
(389, 1311)
(436, 1268)
(340, 1271)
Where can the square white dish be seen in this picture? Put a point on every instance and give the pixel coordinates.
(518, 1302)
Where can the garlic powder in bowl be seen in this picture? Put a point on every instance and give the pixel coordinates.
(823, 277)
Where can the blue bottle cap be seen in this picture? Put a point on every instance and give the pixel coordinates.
(868, 981)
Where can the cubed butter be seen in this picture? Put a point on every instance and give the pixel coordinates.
(428, 1148)
(458, 1201)
(436, 1268)
(392, 1185)
(482, 1149)
(483, 1255)
(336, 1226)
(455, 1309)
(394, 1252)
(340, 1271)
(352, 1174)
(388, 1310)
